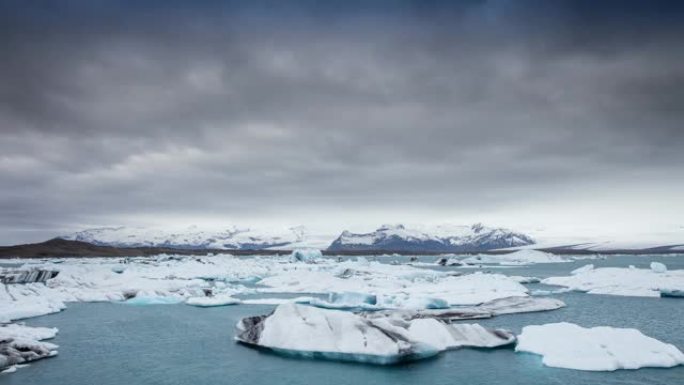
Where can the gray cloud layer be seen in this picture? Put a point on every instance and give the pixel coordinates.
(120, 112)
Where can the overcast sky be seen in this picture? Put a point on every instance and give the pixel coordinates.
(566, 117)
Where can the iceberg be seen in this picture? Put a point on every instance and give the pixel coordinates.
(673, 293)
(520, 257)
(445, 336)
(566, 345)
(150, 299)
(305, 255)
(217, 300)
(622, 281)
(509, 305)
(658, 267)
(311, 332)
(20, 344)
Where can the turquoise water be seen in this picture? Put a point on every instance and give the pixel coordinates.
(107, 344)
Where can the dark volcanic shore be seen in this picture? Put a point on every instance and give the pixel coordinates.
(61, 248)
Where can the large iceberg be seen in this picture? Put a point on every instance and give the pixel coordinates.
(566, 345)
(312, 332)
(20, 344)
(622, 281)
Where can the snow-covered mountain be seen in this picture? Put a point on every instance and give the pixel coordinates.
(442, 238)
(194, 238)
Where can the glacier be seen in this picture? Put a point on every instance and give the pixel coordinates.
(566, 345)
(231, 237)
(312, 332)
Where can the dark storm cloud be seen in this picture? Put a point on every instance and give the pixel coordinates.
(112, 110)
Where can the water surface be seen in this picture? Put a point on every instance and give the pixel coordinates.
(114, 344)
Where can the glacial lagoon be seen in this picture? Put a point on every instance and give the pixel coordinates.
(113, 343)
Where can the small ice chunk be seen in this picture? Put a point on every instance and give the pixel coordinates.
(674, 293)
(348, 297)
(583, 269)
(566, 345)
(218, 300)
(413, 302)
(523, 280)
(143, 300)
(658, 267)
(305, 255)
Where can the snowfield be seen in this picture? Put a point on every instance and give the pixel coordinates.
(566, 345)
(434, 238)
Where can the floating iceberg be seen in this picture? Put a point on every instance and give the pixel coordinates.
(452, 336)
(566, 345)
(622, 281)
(658, 267)
(509, 305)
(218, 300)
(20, 344)
(525, 280)
(673, 293)
(145, 299)
(520, 257)
(347, 300)
(311, 332)
(305, 255)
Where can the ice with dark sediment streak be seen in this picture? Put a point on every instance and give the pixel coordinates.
(488, 309)
(310, 332)
(21, 344)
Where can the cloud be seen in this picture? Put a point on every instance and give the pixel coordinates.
(116, 111)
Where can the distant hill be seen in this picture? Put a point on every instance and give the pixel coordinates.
(231, 238)
(65, 248)
(444, 238)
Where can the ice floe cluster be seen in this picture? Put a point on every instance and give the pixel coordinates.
(392, 337)
(356, 310)
(653, 282)
(213, 280)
